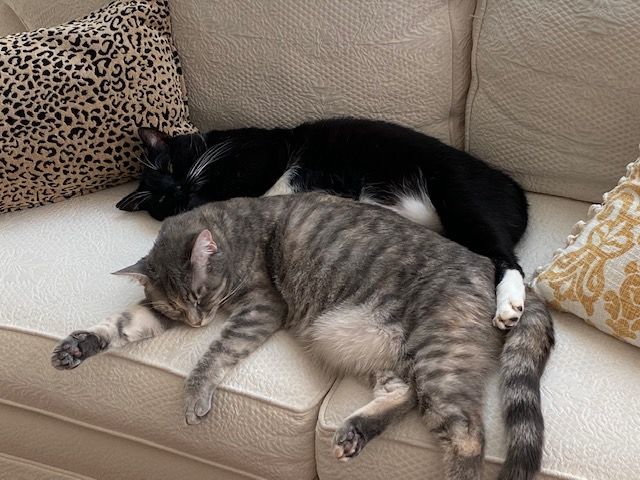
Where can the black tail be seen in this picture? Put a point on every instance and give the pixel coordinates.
(523, 359)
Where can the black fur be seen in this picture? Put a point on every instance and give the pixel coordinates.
(479, 206)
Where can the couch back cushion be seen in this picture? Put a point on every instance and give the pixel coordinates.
(267, 63)
(555, 92)
(9, 21)
(35, 14)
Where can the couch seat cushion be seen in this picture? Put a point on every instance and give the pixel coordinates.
(589, 390)
(54, 278)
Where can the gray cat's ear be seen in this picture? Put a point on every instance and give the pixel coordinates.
(203, 248)
(137, 271)
(153, 138)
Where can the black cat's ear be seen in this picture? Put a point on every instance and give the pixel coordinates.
(203, 248)
(153, 138)
(135, 201)
(137, 271)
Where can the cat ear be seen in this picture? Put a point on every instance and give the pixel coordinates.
(203, 248)
(153, 138)
(137, 271)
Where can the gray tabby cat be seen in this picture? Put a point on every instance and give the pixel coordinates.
(369, 292)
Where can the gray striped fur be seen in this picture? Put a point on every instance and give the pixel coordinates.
(368, 293)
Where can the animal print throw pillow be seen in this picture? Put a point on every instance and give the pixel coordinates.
(73, 96)
(597, 275)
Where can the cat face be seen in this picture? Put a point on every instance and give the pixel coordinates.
(188, 291)
(168, 183)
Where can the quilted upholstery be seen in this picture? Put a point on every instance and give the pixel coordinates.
(267, 63)
(46, 13)
(54, 278)
(591, 424)
(555, 96)
(18, 469)
(9, 21)
(281, 62)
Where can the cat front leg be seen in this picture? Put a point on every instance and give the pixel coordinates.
(134, 324)
(248, 327)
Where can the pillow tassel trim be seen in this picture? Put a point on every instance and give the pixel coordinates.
(632, 170)
(596, 276)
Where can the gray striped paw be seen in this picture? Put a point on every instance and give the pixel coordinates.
(198, 401)
(71, 351)
(348, 442)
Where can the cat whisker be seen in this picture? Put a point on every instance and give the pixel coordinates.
(139, 202)
(135, 198)
(141, 193)
(195, 186)
(231, 293)
(200, 162)
(144, 160)
(203, 163)
(210, 156)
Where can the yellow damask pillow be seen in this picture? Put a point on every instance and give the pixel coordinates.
(597, 275)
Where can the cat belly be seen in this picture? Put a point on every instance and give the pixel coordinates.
(356, 340)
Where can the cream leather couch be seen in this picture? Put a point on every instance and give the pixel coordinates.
(547, 90)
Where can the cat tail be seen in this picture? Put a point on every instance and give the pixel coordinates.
(524, 356)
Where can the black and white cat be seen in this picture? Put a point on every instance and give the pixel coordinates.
(413, 174)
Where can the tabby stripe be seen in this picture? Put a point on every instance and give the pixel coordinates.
(123, 321)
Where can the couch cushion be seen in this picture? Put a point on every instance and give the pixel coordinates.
(45, 13)
(9, 21)
(17, 469)
(54, 278)
(555, 96)
(589, 394)
(279, 63)
(264, 63)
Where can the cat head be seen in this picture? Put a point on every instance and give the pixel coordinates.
(188, 287)
(170, 178)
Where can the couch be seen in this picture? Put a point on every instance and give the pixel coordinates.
(479, 76)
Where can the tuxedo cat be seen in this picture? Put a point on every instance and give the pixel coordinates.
(411, 173)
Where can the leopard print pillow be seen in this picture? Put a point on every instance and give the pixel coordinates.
(73, 96)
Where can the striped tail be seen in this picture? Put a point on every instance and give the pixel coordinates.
(524, 356)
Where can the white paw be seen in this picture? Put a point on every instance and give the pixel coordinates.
(510, 296)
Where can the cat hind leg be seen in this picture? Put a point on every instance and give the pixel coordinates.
(393, 398)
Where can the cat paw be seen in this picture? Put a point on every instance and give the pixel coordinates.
(508, 315)
(71, 351)
(510, 296)
(348, 442)
(198, 402)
